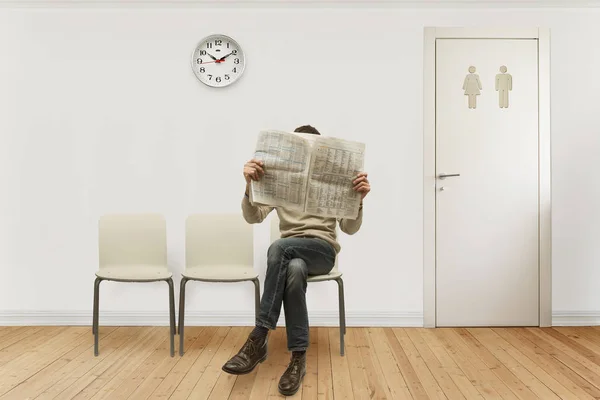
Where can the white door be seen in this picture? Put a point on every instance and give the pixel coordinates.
(487, 218)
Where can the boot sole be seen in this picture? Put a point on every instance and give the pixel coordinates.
(292, 392)
(232, 372)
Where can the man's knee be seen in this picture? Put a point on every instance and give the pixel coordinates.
(277, 250)
(297, 271)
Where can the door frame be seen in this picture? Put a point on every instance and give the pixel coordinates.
(542, 35)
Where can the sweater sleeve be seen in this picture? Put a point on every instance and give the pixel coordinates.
(351, 226)
(254, 214)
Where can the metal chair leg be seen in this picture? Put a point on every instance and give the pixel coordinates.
(96, 311)
(256, 298)
(181, 313)
(171, 316)
(340, 283)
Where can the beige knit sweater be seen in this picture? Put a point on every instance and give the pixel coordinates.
(298, 224)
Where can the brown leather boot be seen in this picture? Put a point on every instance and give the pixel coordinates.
(253, 352)
(292, 377)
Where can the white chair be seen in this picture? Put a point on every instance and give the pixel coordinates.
(133, 248)
(333, 275)
(218, 248)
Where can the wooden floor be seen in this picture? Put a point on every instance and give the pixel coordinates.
(380, 363)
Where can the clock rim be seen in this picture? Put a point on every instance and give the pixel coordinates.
(225, 37)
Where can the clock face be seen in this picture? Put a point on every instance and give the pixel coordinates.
(218, 61)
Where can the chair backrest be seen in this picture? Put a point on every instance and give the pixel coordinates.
(218, 239)
(132, 239)
(276, 234)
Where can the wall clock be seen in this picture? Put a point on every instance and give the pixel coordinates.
(218, 61)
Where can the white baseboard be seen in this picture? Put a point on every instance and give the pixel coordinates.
(576, 318)
(195, 318)
(242, 318)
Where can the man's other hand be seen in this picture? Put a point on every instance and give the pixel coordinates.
(253, 170)
(362, 185)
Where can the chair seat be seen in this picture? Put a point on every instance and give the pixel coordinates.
(221, 273)
(333, 275)
(134, 273)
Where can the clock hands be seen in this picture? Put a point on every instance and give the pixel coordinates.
(224, 57)
(217, 60)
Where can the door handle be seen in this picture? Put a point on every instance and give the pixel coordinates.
(443, 176)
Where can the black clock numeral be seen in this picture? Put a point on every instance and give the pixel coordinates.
(202, 52)
(236, 61)
(202, 70)
(235, 70)
(227, 77)
(227, 44)
(199, 60)
(218, 42)
(209, 45)
(234, 52)
(218, 79)
(209, 77)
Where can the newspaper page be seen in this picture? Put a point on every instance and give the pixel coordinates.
(334, 165)
(286, 159)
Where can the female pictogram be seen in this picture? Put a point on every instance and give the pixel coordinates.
(472, 87)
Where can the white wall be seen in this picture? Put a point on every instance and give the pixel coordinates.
(100, 112)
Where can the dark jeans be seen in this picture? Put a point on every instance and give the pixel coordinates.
(289, 262)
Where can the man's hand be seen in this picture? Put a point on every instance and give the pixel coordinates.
(253, 170)
(362, 185)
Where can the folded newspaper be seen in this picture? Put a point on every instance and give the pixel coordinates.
(308, 173)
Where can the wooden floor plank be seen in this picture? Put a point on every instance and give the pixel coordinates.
(391, 373)
(111, 379)
(565, 354)
(376, 382)
(546, 353)
(469, 388)
(196, 340)
(517, 386)
(225, 381)
(574, 344)
(495, 345)
(380, 363)
(358, 376)
(32, 361)
(6, 330)
(267, 371)
(311, 380)
(81, 364)
(551, 369)
(213, 371)
(582, 336)
(21, 345)
(19, 333)
(432, 388)
(143, 380)
(340, 373)
(410, 376)
(243, 386)
(187, 384)
(120, 371)
(80, 379)
(325, 383)
(486, 374)
(483, 386)
(280, 358)
(60, 368)
(441, 376)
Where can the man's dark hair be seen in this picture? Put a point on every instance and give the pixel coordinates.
(307, 129)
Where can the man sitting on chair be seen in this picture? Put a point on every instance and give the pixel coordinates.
(308, 247)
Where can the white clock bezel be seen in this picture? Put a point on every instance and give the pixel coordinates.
(241, 55)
